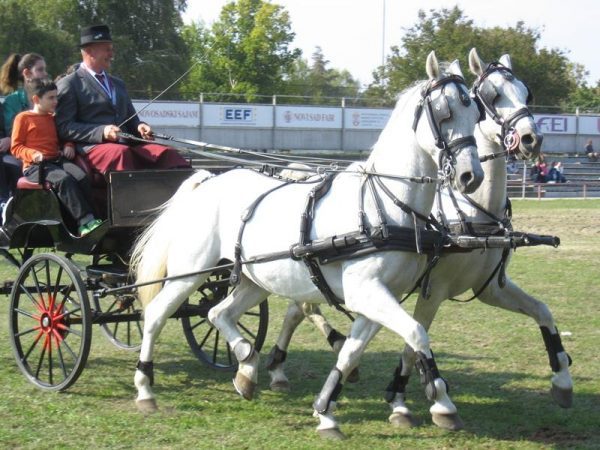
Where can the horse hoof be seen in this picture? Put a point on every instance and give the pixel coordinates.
(146, 406)
(244, 386)
(281, 386)
(354, 376)
(451, 422)
(563, 397)
(403, 420)
(332, 433)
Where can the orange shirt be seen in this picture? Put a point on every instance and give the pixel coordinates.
(34, 132)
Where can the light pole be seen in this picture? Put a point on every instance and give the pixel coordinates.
(383, 36)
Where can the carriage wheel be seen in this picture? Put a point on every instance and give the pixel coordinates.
(204, 340)
(123, 334)
(50, 321)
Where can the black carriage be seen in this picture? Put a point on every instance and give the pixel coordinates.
(65, 284)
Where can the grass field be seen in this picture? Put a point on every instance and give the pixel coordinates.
(495, 363)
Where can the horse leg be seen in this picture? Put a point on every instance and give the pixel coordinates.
(275, 362)
(333, 336)
(156, 314)
(361, 333)
(224, 317)
(373, 300)
(395, 392)
(513, 298)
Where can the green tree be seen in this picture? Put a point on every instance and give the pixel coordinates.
(150, 52)
(247, 50)
(26, 28)
(586, 99)
(447, 31)
(318, 83)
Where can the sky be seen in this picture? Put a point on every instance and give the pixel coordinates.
(354, 34)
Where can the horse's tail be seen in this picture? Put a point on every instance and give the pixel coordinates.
(149, 256)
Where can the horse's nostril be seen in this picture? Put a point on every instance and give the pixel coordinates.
(527, 139)
(466, 178)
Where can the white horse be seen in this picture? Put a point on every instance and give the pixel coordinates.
(200, 226)
(504, 98)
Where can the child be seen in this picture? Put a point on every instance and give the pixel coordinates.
(34, 139)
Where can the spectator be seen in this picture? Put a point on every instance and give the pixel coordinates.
(94, 107)
(15, 73)
(589, 151)
(34, 140)
(539, 171)
(555, 174)
(511, 165)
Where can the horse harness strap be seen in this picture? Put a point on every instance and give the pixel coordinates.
(234, 278)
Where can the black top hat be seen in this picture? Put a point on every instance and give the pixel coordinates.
(94, 34)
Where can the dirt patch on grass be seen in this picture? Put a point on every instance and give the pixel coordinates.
(559, 222)
(560, 437)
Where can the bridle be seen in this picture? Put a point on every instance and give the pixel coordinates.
(438, 110)
(485, 93)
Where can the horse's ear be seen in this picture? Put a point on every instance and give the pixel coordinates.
(476, 65)
(432, 67)
(454, 68)
(505, 61)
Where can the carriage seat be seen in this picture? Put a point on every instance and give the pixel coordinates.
(96, 178)
(24, 183)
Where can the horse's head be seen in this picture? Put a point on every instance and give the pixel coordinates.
(446, 131)
(504, 99)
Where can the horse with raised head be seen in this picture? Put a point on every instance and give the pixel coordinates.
(487, 211)
(246, 216)
(509, 125)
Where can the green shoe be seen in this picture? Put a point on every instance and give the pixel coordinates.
(89, 227)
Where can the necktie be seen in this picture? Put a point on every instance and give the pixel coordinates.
(101, 78)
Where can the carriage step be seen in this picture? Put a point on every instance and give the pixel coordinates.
(110, 273)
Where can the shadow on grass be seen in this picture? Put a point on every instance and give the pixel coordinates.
(493, 403)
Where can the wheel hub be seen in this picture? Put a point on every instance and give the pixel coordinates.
(52, 319)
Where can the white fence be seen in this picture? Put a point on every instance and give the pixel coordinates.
(293, 127)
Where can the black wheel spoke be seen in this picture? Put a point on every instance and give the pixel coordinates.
(25, 313)
(25, 357)
(210, 330)
(25, 333)
(216, 347)
(28, 294)
(241, 325)
(57, 283)
(61, 361)
(41, 359)
(193, 327)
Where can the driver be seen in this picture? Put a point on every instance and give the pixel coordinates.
(93, 107)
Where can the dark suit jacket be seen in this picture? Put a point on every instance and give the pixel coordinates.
(84, 109)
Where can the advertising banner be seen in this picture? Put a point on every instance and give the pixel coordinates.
(366, 119)
(589, 125)
(259, 116)
(308, 117)
(554, 124)
(183, 114)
